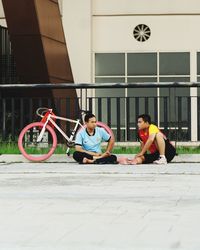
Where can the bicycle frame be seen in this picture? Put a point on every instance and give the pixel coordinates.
(69, 139)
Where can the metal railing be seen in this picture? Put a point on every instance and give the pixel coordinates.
(171, 111)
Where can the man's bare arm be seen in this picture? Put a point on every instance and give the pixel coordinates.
(110, 144)
(109, 148)
(147, 144)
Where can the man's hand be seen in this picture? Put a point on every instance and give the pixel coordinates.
(106, 154)
(139, 155)
(98, 155)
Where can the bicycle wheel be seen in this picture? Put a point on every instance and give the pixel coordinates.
(106, 127)
(33, 150)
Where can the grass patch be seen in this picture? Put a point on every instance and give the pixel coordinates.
(12, 148)
(126, 150)
(188, 150)
(9, 148)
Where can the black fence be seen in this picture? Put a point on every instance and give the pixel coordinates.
(8, 72)
(172, 112)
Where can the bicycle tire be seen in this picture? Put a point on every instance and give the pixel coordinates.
(22, 137)
(106, 127)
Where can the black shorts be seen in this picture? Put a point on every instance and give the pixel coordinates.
(170, 152)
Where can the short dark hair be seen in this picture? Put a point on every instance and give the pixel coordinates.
(88, 116)
(145, 117)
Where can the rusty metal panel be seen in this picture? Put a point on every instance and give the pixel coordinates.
(49, 20)
(31, 67)
(38, 40)
(57, 65)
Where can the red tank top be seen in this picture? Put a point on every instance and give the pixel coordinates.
(144, 135)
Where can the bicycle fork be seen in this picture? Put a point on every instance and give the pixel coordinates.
(43, 130)
(72, 136)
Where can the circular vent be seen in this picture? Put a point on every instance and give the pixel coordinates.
(142, 32)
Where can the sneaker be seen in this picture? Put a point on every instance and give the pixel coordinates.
(161, 160)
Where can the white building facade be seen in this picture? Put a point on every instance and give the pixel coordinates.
(134, 41)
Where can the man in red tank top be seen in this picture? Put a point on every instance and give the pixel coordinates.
(155, 147)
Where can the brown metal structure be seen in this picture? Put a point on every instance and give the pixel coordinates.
(39, 47)
(38, 41)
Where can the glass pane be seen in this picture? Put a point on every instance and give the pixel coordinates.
(142, 100)
(174, 63)
(109, 80)
(172, 94)
(175, 116)
(174, 79)
(141, 91)
(141, 64)
(140, 105)
(109, 64)
(113, 94)
(110, 92)
(169, 106)
(174, 91)
(142, 79)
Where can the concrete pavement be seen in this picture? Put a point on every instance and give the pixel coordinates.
(65, 159)
(59, 206)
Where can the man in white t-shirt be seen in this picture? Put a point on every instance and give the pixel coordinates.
(88, 144)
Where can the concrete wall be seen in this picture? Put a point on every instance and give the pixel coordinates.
(125, 7)
(168, 33)
(77, 24)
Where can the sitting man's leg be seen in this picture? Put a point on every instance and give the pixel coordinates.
(111, 159)
(145, 159)
(160, 144)
(82, 157)
(151, 158)
(170, 151)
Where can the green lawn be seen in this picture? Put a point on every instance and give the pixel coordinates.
(12, 148)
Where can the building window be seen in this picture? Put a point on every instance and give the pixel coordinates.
(174, 63)
(145, 67)
(109, 64)
(141, 67)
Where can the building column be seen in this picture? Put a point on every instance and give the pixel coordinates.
(193, 95)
